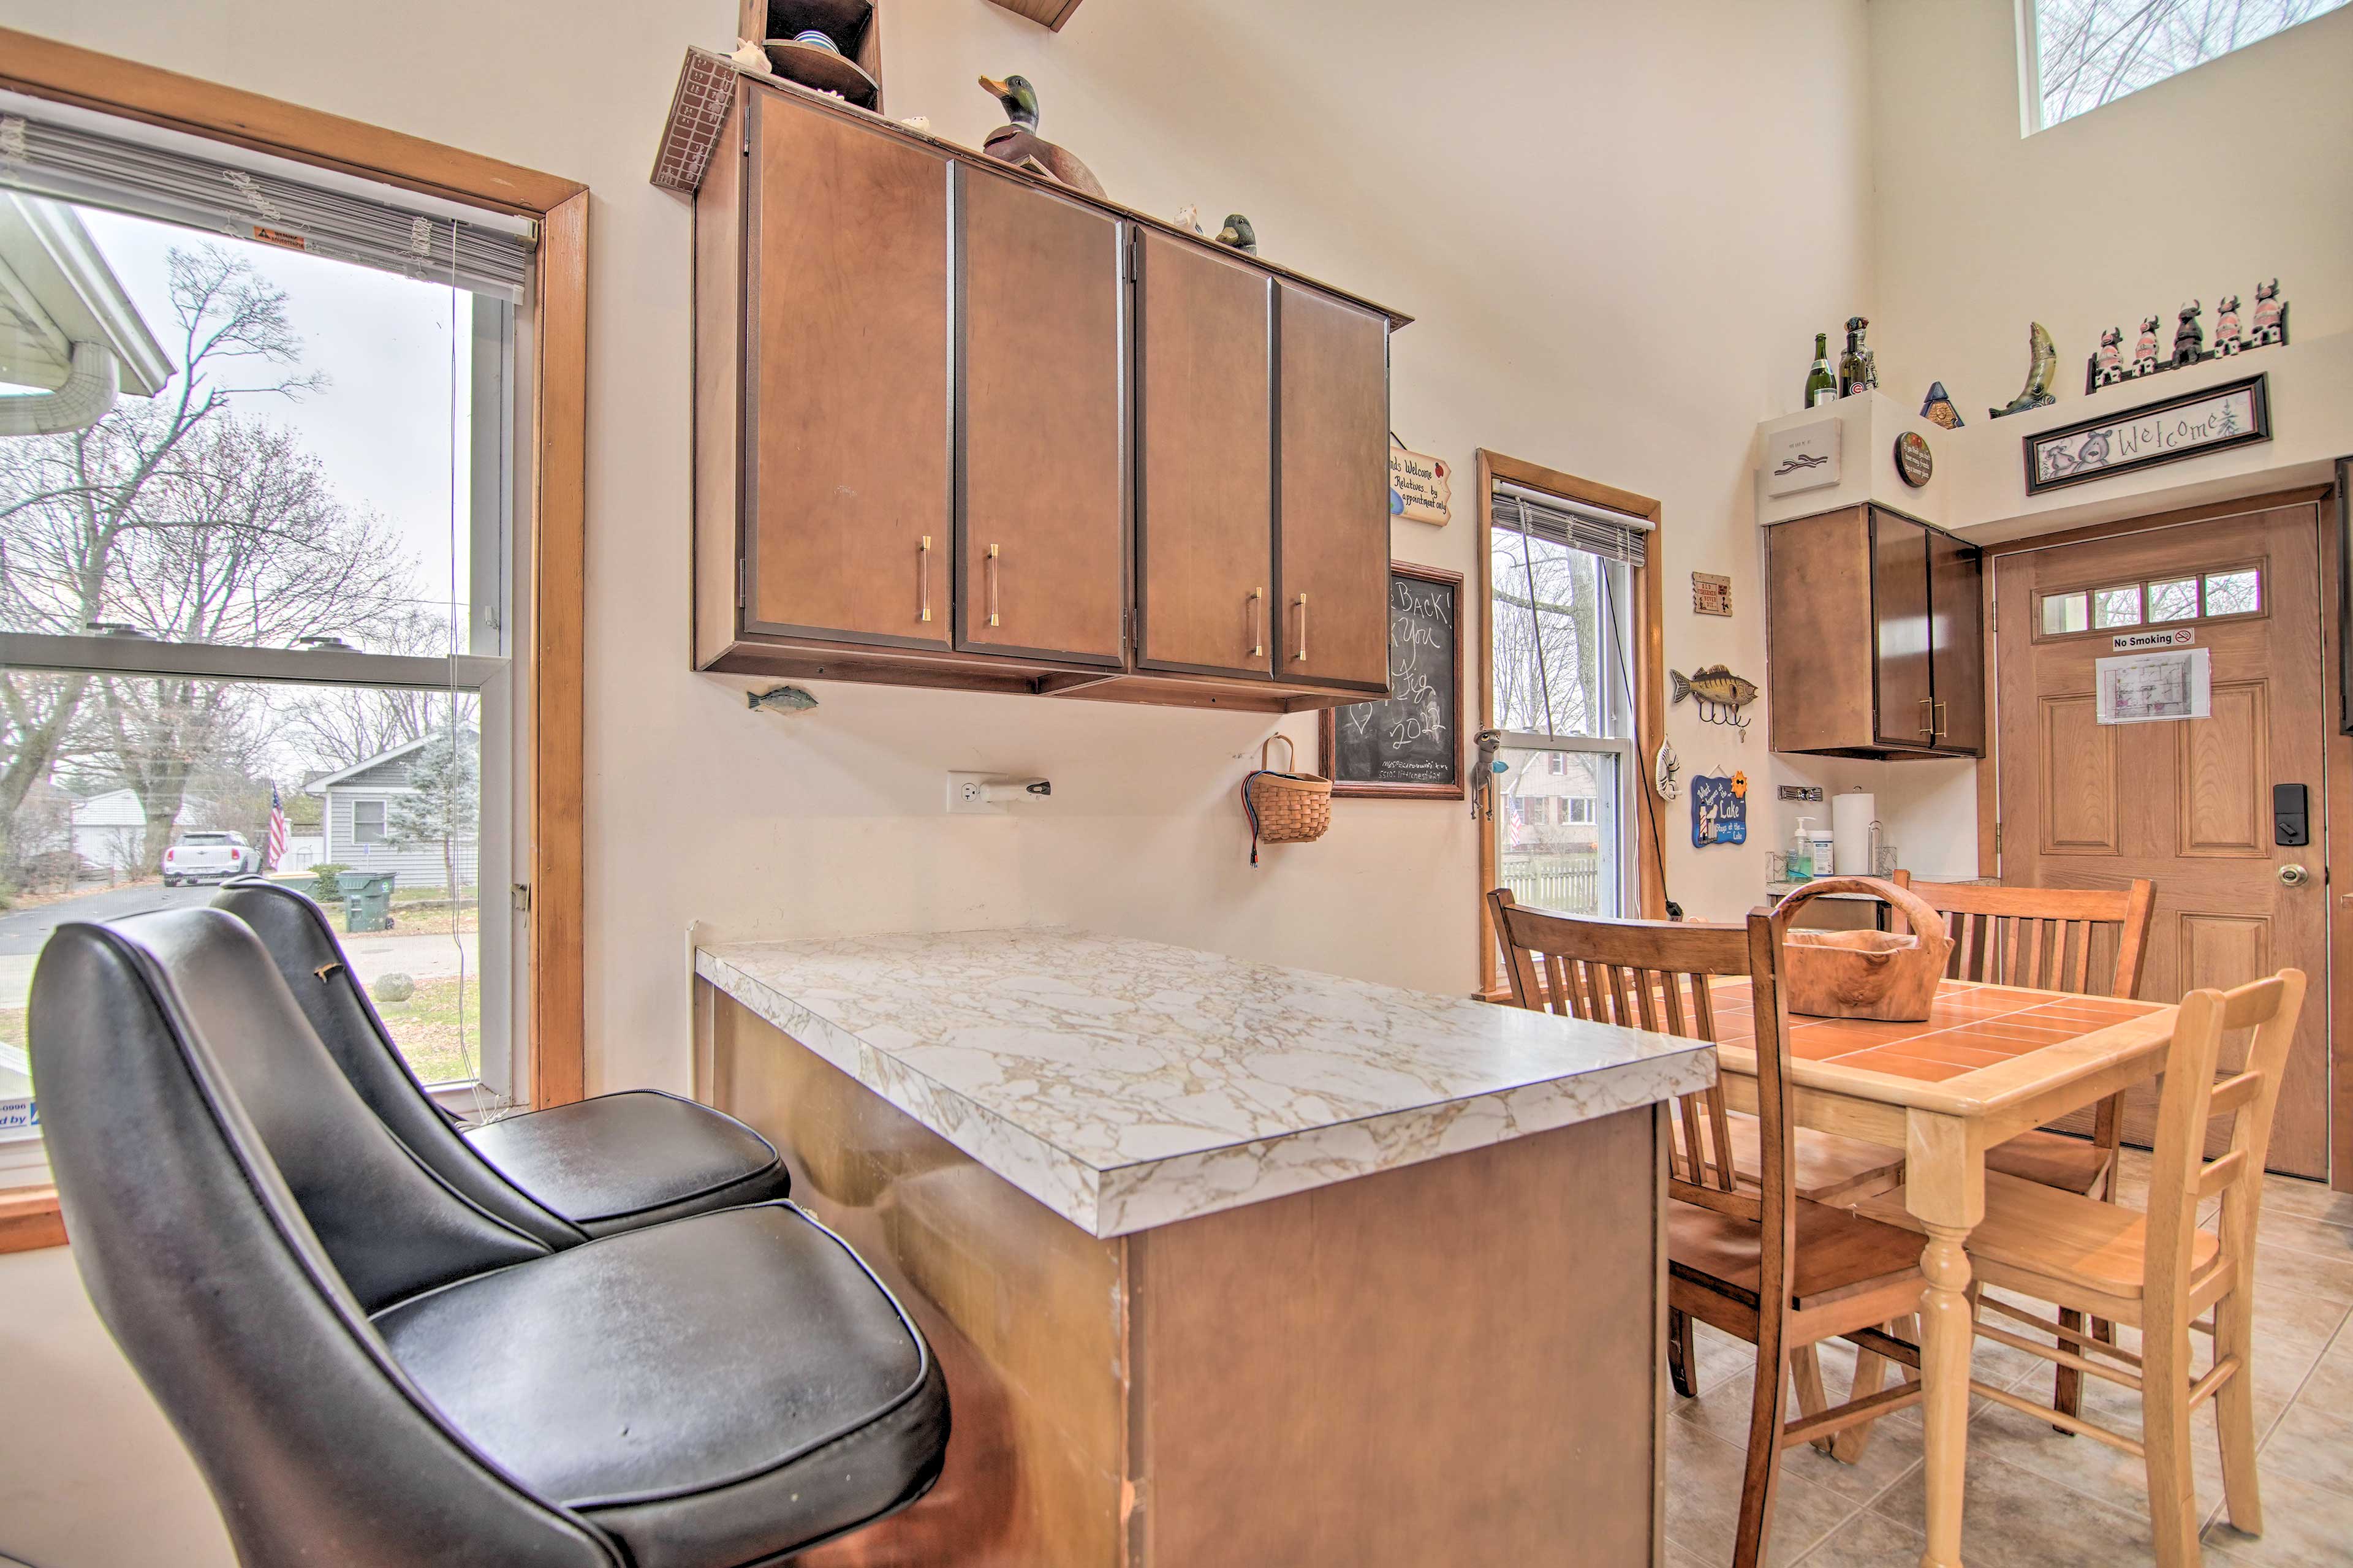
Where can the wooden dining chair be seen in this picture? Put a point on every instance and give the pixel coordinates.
(1748, 1257)
(2157, 1269)
(2045, 939)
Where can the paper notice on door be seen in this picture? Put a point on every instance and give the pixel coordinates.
(2151, 687)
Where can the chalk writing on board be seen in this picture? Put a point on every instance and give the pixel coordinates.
(1411, 739)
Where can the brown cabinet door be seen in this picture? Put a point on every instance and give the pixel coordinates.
(847, 424)
(1899, 615)
(1205, 496)
(1956, 641)
(1332, 386)
(1042, 504)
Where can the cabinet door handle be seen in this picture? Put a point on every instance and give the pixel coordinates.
(924, 579)
(992, 584)
(1258, 622)
(1939, 711)
(1928, 712)
(1302, 654)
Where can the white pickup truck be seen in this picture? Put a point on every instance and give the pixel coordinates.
(210, 858)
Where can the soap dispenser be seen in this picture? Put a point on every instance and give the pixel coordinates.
(1801, 851)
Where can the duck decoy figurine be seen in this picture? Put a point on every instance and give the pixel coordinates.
(1019, 144)
(2036, 394)
(1239, 234)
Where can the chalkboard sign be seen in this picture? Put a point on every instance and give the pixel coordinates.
(1410, 743)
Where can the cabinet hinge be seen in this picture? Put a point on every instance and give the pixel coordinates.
(739, 581)
(1997, 840)
(1993, 615)
(1134, 247)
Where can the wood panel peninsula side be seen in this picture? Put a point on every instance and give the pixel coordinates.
(1226, 1262)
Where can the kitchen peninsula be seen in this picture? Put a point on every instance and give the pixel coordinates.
(1198, 1241)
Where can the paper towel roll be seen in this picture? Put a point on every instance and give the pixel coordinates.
(1851, 819)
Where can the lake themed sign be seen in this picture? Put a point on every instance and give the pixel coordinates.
(1719, 810)
(1410, 743)
(2190, 424)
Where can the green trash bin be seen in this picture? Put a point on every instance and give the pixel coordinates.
(367, 901)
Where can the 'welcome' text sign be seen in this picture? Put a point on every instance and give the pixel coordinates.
(2189, 425)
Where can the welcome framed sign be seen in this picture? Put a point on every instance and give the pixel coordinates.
(2192, 425)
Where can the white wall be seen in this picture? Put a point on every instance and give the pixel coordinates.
(2232, 172)
(1619, 226)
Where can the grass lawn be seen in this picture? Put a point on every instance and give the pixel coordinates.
(426, 1027)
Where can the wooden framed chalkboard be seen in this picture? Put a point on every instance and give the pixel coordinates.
(1410, 743)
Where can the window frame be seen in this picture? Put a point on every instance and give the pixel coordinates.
(545, 637)
(2028, 18)
(1642, 811)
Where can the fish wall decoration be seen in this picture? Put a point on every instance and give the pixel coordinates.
(1719, 694)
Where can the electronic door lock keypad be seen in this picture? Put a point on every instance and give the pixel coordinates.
(2291, 821)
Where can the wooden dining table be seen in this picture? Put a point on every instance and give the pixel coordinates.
(1989, 1062)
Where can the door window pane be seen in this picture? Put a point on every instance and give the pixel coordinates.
(2174, 601)
(2065, 612)
(2116, 606)
(1557, 840)
(143, 793)
(2233, 592)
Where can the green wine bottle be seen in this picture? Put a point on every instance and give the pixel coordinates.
(1821, 386)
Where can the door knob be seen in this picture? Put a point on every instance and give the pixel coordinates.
(2293, 876)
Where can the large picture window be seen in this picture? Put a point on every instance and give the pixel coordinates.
(258, 574)
(1561, 616)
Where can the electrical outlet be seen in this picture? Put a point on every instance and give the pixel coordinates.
(968, 793)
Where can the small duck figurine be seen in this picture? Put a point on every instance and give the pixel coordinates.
(1239, 234)
(1019, 144)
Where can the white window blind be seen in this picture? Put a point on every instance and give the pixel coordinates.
(1597, 531)
(75, 164)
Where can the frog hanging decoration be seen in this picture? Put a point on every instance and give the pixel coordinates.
(1720, 695)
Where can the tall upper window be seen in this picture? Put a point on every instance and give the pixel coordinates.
(257, 430)
(1562, 578)
(2086, 53)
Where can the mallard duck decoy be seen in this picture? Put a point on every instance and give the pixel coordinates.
(1019, 144)
(2036, 394)
(1239, 234)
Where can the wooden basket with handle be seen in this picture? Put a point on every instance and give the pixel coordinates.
(1285, 807)
(1864, 974)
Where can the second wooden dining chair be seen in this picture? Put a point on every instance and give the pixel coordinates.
(1750, 1257)
(2158, 1271)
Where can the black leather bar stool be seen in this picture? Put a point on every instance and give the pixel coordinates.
(613, 1162)
(372, 1370)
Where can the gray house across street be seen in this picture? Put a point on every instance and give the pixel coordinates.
(358, 818)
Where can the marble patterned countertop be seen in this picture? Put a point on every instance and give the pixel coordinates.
(1130, 1084)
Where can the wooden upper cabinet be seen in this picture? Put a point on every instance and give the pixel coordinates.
(1875, 639)
(846, 505)
(1204, 501)
(1899, 614)
(1042, 518)
(1956, 641)
(1333, 388)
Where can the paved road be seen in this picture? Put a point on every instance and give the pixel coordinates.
(22, 931)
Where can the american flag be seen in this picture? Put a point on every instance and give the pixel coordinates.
(277, 827)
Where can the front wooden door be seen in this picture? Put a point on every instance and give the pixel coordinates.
(1042, 522)
(2187, 803)
(1204, 501)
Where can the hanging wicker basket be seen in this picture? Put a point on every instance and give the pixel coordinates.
(1285, 807)
(1864, 974)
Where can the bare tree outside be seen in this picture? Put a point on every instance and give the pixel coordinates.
(2092, 52)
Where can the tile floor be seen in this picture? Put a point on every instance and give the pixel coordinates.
(2038, 1499)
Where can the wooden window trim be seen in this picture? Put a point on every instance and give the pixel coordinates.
(1650, 674)
(43, 67)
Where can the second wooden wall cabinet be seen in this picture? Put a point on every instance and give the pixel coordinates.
(1876, 625)
(957, 427)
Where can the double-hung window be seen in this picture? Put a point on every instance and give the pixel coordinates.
(1561, 576)
(258, 563)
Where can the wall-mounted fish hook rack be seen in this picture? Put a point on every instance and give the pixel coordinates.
(1719, 695)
